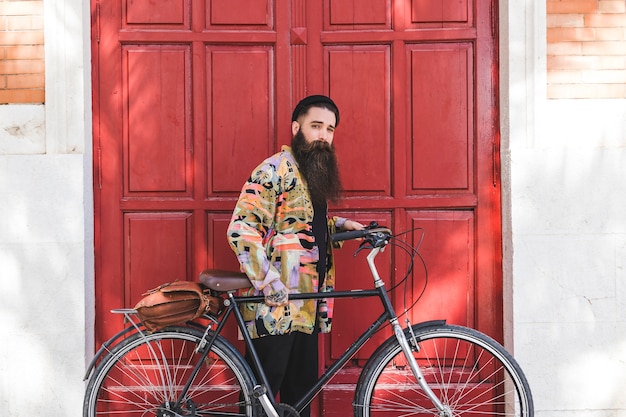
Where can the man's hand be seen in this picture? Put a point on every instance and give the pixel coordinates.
(352, 225)
(276, 294)
(277, 299)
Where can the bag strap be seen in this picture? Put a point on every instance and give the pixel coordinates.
(182, 286)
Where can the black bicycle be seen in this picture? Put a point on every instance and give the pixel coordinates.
(425, 369)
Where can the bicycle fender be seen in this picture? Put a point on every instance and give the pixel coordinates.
(425, 324)
(105, 346)
(109, 344)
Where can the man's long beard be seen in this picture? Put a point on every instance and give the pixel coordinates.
(318, 164)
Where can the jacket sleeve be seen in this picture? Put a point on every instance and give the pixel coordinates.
(335, 224)
(251, 227)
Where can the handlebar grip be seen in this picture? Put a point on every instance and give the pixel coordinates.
(351, 234)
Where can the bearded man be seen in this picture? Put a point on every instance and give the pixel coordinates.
(280, 233)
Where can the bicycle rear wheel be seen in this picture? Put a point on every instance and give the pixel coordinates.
(471, 374)
(144, 375)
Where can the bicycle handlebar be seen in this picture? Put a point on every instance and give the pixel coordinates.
(350, 234)
(373, 234)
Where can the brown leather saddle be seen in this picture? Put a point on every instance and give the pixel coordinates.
(223, 281)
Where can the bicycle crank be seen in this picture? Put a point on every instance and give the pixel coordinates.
(285, 410)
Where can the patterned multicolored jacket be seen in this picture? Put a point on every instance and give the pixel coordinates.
(271, 234)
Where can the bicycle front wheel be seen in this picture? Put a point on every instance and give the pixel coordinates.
(145, 374)
(470, 373)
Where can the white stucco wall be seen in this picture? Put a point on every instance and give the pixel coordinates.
(564, 193)
(569, 240)
(565, 161)
(46, 229)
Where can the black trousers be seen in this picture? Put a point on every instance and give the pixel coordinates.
(290, 364)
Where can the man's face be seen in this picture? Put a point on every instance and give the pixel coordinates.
(316, 124)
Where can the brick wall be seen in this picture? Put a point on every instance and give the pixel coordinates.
(21, 51)
(586, 48)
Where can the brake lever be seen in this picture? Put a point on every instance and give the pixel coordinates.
(364, 245)
(368, 243)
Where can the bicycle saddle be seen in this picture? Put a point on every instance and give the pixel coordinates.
(220, 280)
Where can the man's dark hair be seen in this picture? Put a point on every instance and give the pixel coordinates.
(315, 101)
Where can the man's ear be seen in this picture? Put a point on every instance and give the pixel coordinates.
(295, 127)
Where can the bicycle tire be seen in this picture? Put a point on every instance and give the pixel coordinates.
(145, 373)
(472, 375)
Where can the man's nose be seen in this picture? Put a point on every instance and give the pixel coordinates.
(324, 136)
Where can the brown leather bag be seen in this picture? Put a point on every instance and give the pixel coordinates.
(176, 302)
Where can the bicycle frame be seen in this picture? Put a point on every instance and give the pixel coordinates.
(263, 391)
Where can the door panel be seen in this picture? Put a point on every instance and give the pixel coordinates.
(240, 13)
(447, 272)
(189, 96)
(157, 245)
(358, 13)
(441, 117)
(440, 11)
(156, 112)
(170, 14)
(241, 117)
(359, 79)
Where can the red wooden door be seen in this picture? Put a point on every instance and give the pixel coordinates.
(190, 95)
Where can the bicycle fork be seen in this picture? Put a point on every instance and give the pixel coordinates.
(444, 411)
